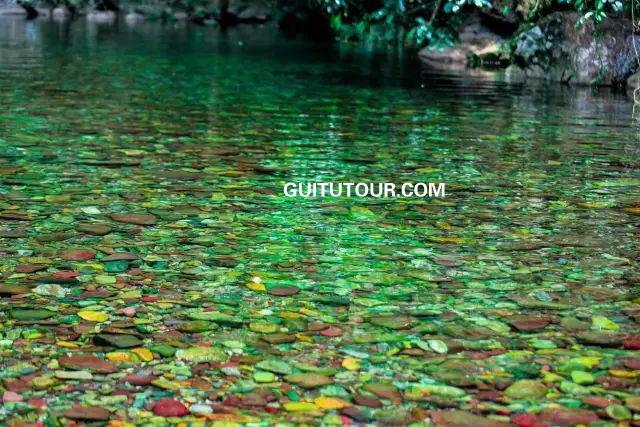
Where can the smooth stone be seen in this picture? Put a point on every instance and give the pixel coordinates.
(283, 291)
(93, 229)
(200, 409)
(385, 391)
(367, 401)
(600, 338)
(278, 338)
(136, 219)
(277, 366)
(11, 397)
(117, 340)
(88, 413)
(300, 407)
(566, 417)
(528, 323)
(73, 375)
(582, 377)
(263, 327)
(30, 268)
(524, 389)
(574, 324)
(201, 354)
(163, 350)
(25, 314)
(309, 380)
(392, 322)
(54, 237)
(618, 412)
(221, 319)
(170, 408)
(10, 290)
(51, 290)
(138, 380)
(264, 377)
(87, 362)
(77, 255)
(116, 266)
(633, 402)
(197, 326)
(120, 256)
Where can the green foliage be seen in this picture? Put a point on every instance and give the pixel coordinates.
(432, 22)
(595, 10)
(415, 22)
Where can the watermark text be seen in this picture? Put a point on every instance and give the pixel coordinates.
(364, 189)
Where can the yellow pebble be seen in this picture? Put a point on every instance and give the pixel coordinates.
(309, 312)
(592, 205)
(289, 315)
(54, 198)
(550, 377)
(587, 361)
(93, 316)
(351, 364)
(329, 403)
(305, 338)
(119, 356)
(67, 344)
(299, 406)
(164, 305)
(258, 287)
(119, 423)
(143, 354)
(623, 374)
(455, 240)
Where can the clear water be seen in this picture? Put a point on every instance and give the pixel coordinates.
(201, 130)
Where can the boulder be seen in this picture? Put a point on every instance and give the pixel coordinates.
(245, 11)
(43, 12)
(61, 13)
(11, 7)
(101, 17)
(476, 41)
(133, 18)
(559, 50)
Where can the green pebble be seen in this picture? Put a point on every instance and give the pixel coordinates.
(582, 377)
(264, 377)
(30, 314)
(618, 412)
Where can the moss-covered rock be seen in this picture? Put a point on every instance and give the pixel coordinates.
(558, 49)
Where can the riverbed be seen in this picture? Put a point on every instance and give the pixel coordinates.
(152, 266)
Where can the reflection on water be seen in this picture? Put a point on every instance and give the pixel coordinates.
(173, 143)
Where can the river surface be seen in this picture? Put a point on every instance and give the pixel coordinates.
(152, 266)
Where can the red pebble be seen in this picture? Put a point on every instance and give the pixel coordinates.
(170, 408)
(527, 420)
(231, 401)
(77, 255)
(632, 364)
(632, 343)
(138, 380)
(38, 403)
(66, 275)
(331, 332)
(599, 402)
